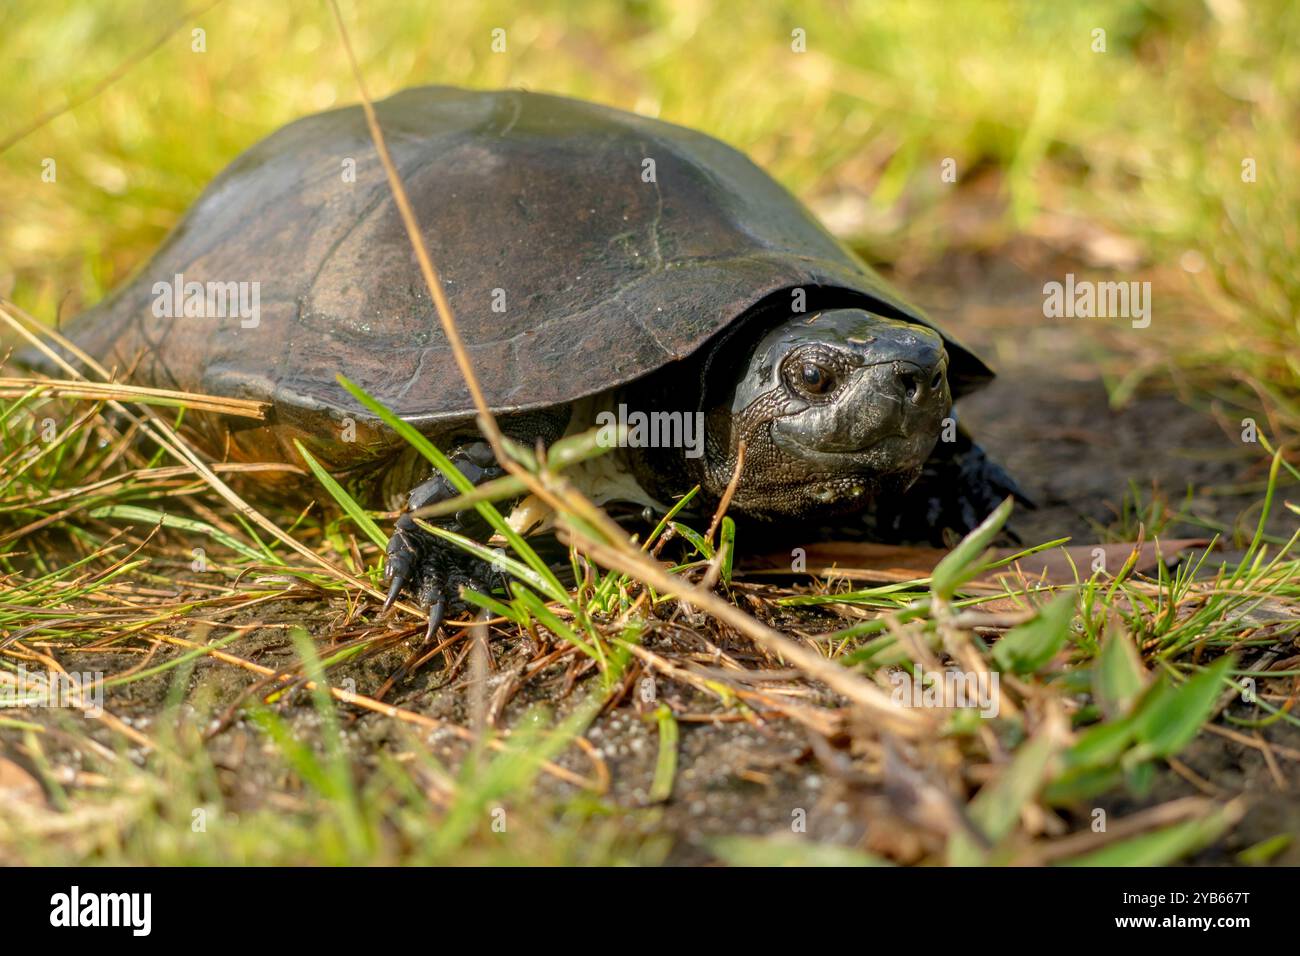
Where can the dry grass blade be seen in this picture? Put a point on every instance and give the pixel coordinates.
(729, 493)
(16, 387)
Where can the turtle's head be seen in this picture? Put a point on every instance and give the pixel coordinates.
(835, 408)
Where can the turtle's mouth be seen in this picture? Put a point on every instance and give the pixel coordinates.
(885, 455)
(849, 490)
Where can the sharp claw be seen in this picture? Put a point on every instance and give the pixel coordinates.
(435, 617)
(396, 589)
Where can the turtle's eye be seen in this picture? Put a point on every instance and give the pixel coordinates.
(815, 379)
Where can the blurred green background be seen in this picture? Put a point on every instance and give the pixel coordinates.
(1142, 144)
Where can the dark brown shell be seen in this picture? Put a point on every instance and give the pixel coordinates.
(605, 276)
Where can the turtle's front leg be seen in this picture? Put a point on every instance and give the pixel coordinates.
(429, 568)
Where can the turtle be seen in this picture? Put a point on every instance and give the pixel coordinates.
(599, 264)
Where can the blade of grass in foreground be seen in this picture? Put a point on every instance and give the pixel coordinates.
(1163, 846)
(344, 500)
(661, 788)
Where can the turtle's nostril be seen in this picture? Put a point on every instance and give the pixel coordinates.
(911, 383)
(918, 383)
